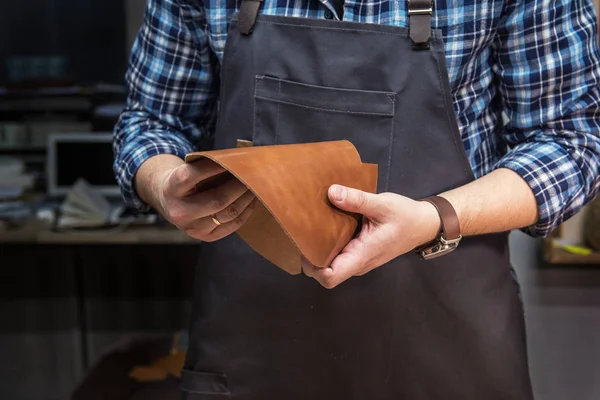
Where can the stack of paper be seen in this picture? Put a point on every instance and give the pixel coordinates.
(84, 207)
(13, 179)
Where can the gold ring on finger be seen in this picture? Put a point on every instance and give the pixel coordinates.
(215, 220)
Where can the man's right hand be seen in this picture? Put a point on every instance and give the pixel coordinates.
(168, 184)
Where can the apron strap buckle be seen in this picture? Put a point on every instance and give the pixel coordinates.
(419, 12)
(247, 16)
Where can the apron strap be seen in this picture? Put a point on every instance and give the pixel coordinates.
(419, 12)
(248, 14)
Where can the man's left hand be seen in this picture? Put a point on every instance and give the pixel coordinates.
(392, 225)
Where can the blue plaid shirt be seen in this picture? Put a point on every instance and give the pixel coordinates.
(535, 61)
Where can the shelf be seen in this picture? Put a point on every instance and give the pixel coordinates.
(33, 231)
(554, 255)
(23, 150)
(558, 256)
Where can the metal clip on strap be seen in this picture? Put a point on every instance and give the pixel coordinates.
(247, 16)
(419, 12)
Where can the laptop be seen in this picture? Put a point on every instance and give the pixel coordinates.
(75, 156)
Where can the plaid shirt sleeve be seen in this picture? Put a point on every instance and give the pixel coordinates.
(547, 58)
(172, 98)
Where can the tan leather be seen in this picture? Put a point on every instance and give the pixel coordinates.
(294, 217)
(449, 218)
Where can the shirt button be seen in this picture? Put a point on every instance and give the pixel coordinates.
(328, 14)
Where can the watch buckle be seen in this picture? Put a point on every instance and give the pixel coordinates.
(438, 247)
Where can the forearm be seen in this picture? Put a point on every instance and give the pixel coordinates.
(498, 202)
(149, 175)
(139, 139)
(553, 133)
(172, 102)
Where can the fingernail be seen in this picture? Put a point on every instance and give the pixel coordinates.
(339, 193)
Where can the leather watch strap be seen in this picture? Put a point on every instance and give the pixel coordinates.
(448, 216)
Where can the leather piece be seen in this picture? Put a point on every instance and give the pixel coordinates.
(420, 24)
(248, 13)
(294, 217)
(448, 216)
(420, 28)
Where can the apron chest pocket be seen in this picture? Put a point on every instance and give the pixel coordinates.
(287, 112)
(204, 386)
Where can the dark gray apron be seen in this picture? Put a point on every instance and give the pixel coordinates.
(444, 329)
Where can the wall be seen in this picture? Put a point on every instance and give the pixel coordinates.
(88, 34)
(134, 13)
(562, 307)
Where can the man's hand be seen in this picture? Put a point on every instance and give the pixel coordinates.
(168, 184)
(392, 225)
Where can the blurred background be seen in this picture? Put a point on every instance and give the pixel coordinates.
(94, 299)
(89, 291)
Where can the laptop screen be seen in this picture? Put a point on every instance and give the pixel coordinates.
(75, 156)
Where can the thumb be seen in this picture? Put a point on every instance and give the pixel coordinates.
(356, 201)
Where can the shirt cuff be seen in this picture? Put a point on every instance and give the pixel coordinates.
(135, 152)
(554, 178)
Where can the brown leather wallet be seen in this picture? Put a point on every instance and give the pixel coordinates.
(294, 216)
